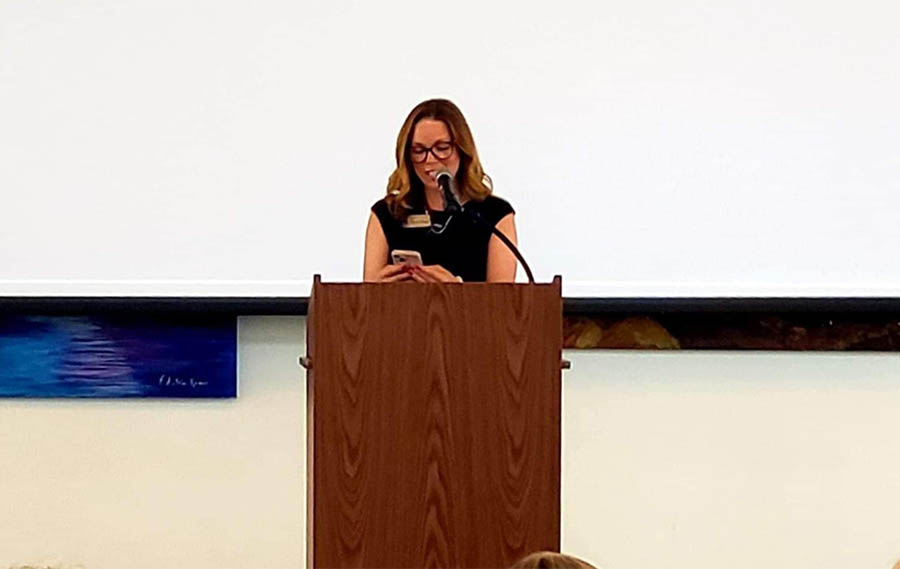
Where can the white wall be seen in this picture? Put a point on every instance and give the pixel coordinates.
(670, 461)
(649, 147)
(706, 460)
(164, 484)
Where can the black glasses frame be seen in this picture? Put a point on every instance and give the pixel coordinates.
(426, 150)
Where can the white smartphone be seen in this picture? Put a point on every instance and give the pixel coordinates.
(401, 257)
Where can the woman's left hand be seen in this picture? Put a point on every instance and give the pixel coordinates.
(432, 274)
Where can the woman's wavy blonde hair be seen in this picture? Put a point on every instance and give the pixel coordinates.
(405, 191)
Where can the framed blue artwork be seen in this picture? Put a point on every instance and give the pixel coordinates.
(118, 356)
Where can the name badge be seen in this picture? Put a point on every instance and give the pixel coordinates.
(418, 220)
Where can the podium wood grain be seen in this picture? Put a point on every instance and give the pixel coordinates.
(434, 424)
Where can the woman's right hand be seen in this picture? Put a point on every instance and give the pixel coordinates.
(392, 274)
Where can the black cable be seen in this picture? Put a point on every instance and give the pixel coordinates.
(476, 217)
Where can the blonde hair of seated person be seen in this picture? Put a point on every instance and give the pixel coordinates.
(551, 560)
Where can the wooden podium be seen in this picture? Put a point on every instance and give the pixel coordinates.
(433, 424)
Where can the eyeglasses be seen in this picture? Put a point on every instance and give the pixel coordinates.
(442, 150)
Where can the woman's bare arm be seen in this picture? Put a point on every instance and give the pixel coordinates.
(501, 263)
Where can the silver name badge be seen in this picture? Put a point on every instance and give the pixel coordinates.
(418, 220)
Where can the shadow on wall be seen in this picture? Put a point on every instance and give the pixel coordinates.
(47, 567)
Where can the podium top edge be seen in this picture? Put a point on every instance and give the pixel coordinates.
(572, 306)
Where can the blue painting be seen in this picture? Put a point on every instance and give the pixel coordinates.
(118, 356)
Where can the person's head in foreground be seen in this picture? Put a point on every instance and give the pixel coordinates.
(551, 560)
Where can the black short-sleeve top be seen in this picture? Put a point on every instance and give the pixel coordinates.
(460, 246)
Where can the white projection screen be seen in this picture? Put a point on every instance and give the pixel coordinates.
(650, 148)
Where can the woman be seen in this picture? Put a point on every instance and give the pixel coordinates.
(435, 136)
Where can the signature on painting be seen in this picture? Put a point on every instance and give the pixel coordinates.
(174, 381)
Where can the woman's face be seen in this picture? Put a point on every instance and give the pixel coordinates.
(432, 148)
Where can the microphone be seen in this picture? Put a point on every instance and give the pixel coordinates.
(451, 205)
(445, 181)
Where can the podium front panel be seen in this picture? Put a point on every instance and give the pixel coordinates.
(434, 424)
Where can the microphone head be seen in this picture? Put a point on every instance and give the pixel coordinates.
(443, 173)
(445, 180)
